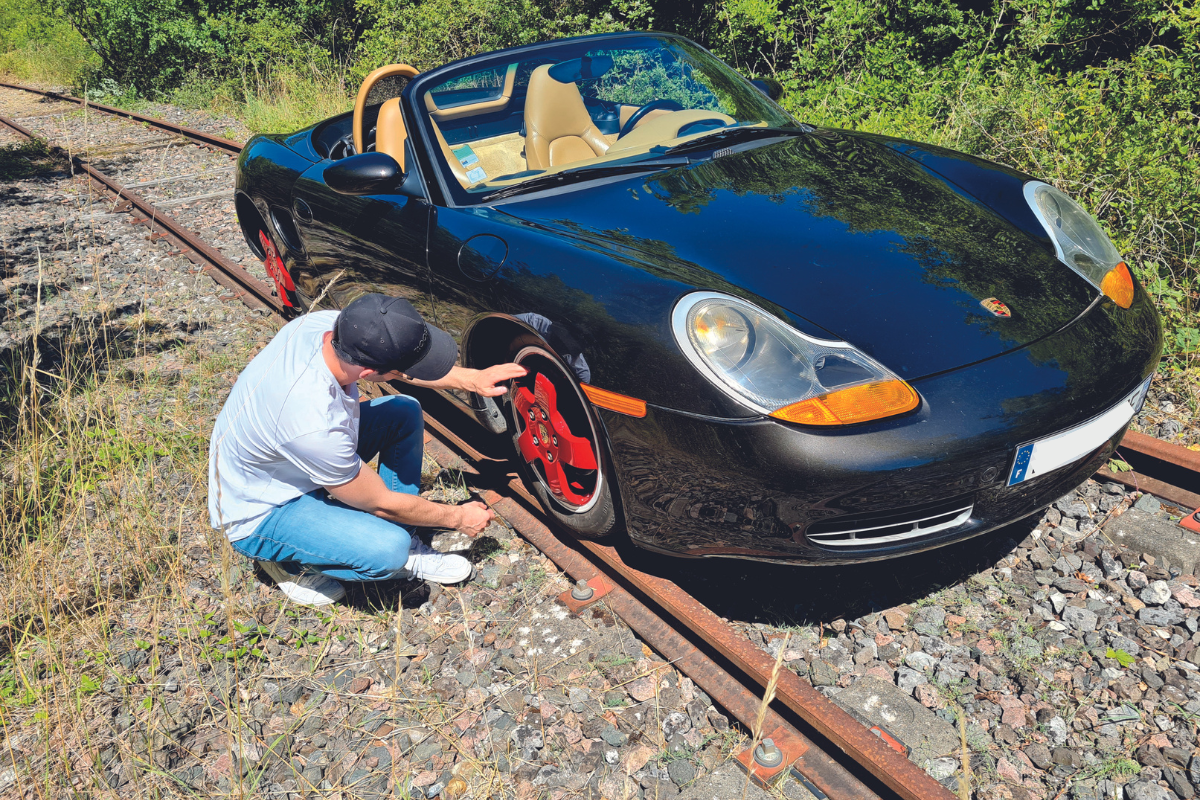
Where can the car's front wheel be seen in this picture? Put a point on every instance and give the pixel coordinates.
(557, 441)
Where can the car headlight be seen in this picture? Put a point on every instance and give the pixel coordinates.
(776, 370)
(1080, 243)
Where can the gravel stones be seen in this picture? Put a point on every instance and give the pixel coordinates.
(823, 673)
(1144, 790)
(676, 723)
(909, 679)
(1156, 593)
(1039, 754)
(1159, 616)
(919, 660)
(614, 737)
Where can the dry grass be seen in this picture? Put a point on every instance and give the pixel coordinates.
(964, 777)
(756, 733)
(104, 457)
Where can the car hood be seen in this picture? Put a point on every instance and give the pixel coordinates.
(841, 231)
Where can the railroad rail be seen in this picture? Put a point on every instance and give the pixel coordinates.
(209, 139)
(701, 645)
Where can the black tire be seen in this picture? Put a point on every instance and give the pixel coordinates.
(597, 517)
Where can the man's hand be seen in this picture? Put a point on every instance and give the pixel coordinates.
(474, 517)
(481, 381)
(367, 492)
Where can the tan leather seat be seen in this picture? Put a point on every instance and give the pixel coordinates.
(390, 131)
(558, 129)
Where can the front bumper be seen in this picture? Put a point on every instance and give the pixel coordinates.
(699, 486)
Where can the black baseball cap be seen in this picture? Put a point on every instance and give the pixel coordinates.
(386, 333)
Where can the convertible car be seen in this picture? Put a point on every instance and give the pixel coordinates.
(745, 336)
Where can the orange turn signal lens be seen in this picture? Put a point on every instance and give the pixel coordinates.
(1118, 285)
(861, 403)
(620, 403)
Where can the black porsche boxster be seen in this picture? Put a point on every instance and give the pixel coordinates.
(745, 336)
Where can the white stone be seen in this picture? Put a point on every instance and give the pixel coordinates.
(1059, 601)
(1156, 593)
(920, 660)
(1058, 730)
(940, 768)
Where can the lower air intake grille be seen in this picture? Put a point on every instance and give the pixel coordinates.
(885, 529)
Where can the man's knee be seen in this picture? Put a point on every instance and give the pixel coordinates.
(387, 557)
(402, 413)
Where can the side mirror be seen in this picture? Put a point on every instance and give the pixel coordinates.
(363, 174)
(769, 86)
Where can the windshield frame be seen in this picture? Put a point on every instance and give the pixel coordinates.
(453, 194)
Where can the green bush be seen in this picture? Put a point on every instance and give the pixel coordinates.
(38, 42)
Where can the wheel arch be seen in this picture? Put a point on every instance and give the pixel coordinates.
(251, 219)
(486, 341)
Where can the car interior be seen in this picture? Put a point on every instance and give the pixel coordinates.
(503, 124)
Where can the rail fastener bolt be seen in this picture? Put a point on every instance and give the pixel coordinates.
(767, 754)
(584, 593)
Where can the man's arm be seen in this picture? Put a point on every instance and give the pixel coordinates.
(367, 492)
(481, 381)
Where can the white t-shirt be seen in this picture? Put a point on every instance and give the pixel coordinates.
(287, 428)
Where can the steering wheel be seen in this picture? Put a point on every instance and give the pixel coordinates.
(653, 105)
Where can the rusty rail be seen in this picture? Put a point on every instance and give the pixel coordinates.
(1163, 451)
(1144, 483)
(898, 773)
(210, 139)
(246, 287)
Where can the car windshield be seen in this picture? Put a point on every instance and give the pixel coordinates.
(496, 123)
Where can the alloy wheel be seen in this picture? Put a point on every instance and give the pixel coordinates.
(554, 433)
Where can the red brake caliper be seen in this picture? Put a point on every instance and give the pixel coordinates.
(276, 269)
(547, 438)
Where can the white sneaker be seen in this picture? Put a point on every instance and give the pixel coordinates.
(308, 588)
(429, 565)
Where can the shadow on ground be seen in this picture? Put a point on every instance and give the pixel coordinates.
(782, 595)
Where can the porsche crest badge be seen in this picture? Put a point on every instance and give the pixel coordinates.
(997, 308)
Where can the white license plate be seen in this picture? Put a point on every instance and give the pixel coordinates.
(1045, 455)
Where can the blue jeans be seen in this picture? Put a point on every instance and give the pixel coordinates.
(316, 531)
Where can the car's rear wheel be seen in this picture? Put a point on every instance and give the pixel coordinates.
(557, 441)
(293, 302)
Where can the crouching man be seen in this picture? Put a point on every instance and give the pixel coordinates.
(287, 482)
